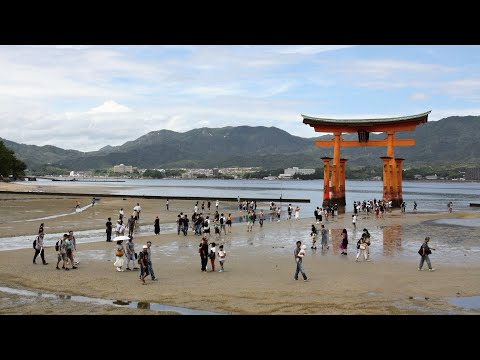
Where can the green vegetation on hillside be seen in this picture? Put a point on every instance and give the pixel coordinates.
(452, 141)
(9, 164)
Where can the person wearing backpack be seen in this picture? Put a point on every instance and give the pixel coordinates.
(424, 251)
(222, 224)
(61, 252)
(38, 246)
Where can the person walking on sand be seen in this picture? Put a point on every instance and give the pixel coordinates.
(367, 240)
(221, 257)
(344, 244)
(131, 225)
(354, 221)
(229, 222)
(424, 251)
(39, 247)
(223, 221)
(203, 251)
(362, 248)
(299, 261)
(69, 248)
(208, 206)
(212, 255)
(156, 225)
(167, 204)
(261, 218)
(138, 210)
(150, 266)
(62, 253)
(73, 240)
(144, 259)
(108, 225)
(250, 221)
(297, 212)
(130, 254)
(216, 204)
(313, 235)
(119, 252)
(324, 233)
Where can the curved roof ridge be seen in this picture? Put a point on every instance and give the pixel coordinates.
(377, 120)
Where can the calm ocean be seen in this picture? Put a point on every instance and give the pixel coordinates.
(430, 196)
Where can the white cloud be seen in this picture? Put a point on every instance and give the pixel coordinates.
(109, 107)
(310, 49)
(381, 68)
(77, 96)
(418, 96)
(468, 89)
(211, 91)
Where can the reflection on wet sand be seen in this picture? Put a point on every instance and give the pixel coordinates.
(392, 239)
(143, 305)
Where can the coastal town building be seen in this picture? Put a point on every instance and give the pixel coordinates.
(290, 172)
(122, 169)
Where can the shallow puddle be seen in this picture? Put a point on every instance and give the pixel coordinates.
(128, 304)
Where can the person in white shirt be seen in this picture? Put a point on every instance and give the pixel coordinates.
(221, 255)
(138, 209)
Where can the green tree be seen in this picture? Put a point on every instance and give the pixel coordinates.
(9, 164)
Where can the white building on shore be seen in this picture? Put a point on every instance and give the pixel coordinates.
(288, 173)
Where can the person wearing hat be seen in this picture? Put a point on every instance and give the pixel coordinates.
(143, 259)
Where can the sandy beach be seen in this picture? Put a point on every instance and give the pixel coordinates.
(258, 277)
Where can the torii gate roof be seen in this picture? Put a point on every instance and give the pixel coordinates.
(365, 123)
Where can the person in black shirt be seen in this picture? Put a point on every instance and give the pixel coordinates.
(156, 225)
(203, 250)
(108, 224)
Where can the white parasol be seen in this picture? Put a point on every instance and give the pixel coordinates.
(121, 237)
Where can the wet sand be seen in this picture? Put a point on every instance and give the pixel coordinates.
(258, 279)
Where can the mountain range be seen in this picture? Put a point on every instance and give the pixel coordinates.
(447, 141)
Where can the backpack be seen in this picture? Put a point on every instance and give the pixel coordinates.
(56, 246)
(221, 220)
(420, 251)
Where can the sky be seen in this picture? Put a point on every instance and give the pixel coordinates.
(86, 97)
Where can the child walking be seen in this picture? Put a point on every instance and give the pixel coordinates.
(221, 255)
(212, 254)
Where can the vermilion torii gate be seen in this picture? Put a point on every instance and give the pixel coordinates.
(334, 186)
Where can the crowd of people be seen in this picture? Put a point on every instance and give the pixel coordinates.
(201, 224)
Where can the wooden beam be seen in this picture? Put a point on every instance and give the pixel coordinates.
(344, 128)
(355, 143)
